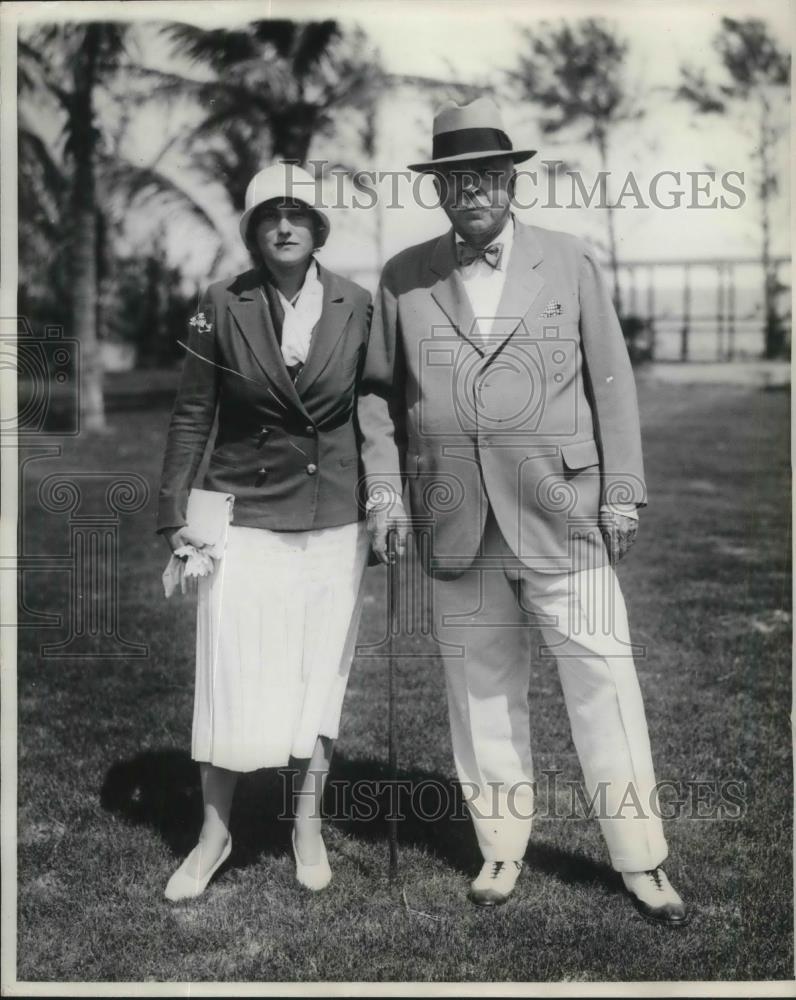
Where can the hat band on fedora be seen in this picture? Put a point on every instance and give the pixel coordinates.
(469, 140)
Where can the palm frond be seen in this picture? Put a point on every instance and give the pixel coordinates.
(145, 185)
(219, 48)
(695, 89)
(312, 44)
(35, 154)
(273, 86)
(170, 88)
(38, 76)
(277, 34)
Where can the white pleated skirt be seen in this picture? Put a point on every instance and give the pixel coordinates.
(276, 628)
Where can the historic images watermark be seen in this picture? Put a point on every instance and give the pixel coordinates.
(551, 796)
(554, 186)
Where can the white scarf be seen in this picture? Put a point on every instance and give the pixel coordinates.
(300, 317)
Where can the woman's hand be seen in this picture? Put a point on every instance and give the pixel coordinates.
(177, 537)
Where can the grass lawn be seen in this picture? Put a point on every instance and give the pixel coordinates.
(109, 799)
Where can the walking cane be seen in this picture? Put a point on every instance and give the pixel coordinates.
(393, 626)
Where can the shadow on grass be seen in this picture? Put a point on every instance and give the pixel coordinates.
(161, 789)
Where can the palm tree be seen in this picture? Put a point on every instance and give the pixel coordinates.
(577, 74)
(66, 194)
(755, 88)
(43, 191)
(272, 87)
(86, 56)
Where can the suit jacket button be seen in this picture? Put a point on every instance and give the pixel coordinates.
(312, 469)
(310, 429)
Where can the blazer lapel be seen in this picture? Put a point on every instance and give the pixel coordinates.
(450, 294)
(522, 287)
(253, 319)
(327, 333)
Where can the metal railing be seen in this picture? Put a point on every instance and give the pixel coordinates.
(691, 309)
(728, 322)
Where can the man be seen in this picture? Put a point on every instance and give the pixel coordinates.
(498, 387)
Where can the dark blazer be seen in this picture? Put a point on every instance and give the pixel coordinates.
(288, 452)
(541, 423)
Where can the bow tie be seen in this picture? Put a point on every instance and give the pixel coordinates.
(491, 254)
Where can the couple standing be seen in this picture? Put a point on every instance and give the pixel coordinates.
(493, 367)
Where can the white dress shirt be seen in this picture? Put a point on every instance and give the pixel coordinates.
(484, 283)
(301, 315)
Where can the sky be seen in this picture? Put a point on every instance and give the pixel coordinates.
(477, 42)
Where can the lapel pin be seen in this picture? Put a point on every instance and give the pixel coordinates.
(200, 322)
(553, 308)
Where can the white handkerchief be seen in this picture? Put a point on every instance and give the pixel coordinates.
(186, 563)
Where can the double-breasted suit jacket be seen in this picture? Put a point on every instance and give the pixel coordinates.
(288, 452)
(540, 421)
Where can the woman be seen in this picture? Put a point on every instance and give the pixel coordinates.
(276, 352)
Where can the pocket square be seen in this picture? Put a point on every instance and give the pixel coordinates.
(553, 308)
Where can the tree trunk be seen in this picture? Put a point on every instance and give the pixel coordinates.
(773, 329)
(292, 131)
(83, 240)
(602, 145)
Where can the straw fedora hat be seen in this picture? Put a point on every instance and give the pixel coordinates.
(284, 181)
(471, 131)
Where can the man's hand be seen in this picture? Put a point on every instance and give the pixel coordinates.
(381, 519)
(619, 533)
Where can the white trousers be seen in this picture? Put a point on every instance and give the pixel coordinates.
(487, 621)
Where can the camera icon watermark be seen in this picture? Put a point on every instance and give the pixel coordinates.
(47, 365)
(470, 385)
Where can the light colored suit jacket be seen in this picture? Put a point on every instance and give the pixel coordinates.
(541, 422)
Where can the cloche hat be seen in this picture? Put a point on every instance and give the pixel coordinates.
(285, 181)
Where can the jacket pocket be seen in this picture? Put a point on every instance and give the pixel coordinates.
(351, 460)
(580, 454)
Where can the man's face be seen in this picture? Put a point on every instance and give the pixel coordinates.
(476, 196)
(284, 233)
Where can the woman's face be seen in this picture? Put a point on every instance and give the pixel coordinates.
(284, 233)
